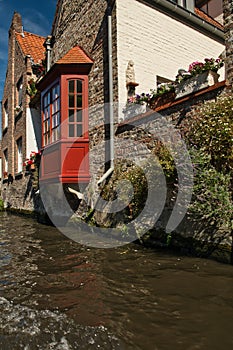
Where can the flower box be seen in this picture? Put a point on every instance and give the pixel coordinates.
(196, 83)
(163, 99)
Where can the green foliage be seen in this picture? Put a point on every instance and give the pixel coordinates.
(136, 178)
(212, 199)
(166, 160)
(1, 205)
(211, 132)
(31, 89)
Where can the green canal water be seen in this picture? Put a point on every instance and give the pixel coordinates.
(57, 294)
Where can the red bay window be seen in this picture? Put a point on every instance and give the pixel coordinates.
(64, 99)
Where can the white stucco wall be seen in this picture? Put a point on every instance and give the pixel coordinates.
(157, 44)
(33, 131)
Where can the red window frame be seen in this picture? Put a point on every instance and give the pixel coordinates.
(75, 106)
(51, 114)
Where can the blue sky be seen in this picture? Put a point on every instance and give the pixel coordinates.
(37, 17)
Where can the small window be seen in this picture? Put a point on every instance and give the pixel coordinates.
(19, 155)
(75, 108)
(187, 4)
(5, 154)
(213, 8)
(5, 114)
(51, 115)
(161, 80)
(20, 92)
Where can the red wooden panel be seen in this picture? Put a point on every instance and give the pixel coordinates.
(75, 162)
(51, 162)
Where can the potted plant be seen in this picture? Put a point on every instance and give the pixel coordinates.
(199, 76)
(33, 161)
(164, 94)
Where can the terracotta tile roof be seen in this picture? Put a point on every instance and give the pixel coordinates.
(32, 44)
(75, 55)
(207, 18)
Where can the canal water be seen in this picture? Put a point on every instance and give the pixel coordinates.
(57, 294)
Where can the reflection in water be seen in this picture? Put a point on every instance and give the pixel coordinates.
(57, 294)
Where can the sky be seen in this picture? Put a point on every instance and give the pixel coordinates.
(37, 18)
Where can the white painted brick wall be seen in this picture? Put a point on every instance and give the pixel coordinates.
(33, 131)
(158, 45)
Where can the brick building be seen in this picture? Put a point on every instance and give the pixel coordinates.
(158, 37)
(21, 130)
(134, 45)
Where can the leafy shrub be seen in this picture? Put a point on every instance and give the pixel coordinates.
(211, 131)
(212, 200)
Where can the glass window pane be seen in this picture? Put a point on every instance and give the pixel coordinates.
(55, 92)
(55, 120)
(55, 106)
(79, 116)
(79, 129)
(79, 101)
(71, 100)
(71, 130)
(71, 115)
(79, 86)
(71, 86)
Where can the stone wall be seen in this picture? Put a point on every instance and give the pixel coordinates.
(134, 141)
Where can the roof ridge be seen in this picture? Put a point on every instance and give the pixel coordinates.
(25, 31)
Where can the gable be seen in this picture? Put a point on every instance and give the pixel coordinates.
(31, 44)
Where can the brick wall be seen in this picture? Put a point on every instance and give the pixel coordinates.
(18, 68)
(228, 24)
(158, 45)
(85, 23)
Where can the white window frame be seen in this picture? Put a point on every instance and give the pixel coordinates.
(20, 92)
(5, 153)
(6, 114)
(187, 4)
(19, 155)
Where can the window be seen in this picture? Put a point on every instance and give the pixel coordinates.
(20, 92)
(5, 154)
(19, 155)
(161, 80)
(213, 8)
(51, 115)
(188, 4)
(75, 108)
(6, 113)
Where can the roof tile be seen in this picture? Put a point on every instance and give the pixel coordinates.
(207, 18)
(32, 44)
(75, 55)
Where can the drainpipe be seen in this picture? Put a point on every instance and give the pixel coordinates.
(111, 120)
(47, 45)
